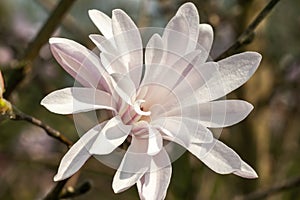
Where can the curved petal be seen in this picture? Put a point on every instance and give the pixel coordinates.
(75, 99)
(175, 40)
(129, 44)
(190, 13)
(113, 134)
(102, 22)
(183, 130)
(133, 166)
(124, 87)
(215, 114)
(222, 159)
(154, 50)
(205, 40)
(155, 141)
(154, 184)
(160, 80)
(77, 154)
(104, 45)
(80, 62)
(236, 70)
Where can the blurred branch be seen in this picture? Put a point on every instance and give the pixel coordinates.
(36, 44)
(71, 192)
(248, 35)
(56, 191)
(18, 115)
(69, 22)
(260, 194)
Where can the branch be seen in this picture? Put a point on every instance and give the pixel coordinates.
(54, 194)
(36, 44)
(260, 194)
(248, 35)
(71, 192)
(18, 115)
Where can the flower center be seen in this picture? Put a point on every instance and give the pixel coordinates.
(138, 109)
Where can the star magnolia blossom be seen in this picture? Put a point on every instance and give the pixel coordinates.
(174, 97)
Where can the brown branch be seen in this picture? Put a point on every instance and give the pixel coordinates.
(248, 35)
(54, 194)
(18, 115)
(36, 44)
(260, 194)
(71, 192)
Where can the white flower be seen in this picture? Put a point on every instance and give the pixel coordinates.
(175, 99)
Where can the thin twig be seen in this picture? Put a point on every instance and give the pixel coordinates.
(34, 47)
(248, 35)
(18, 115)
(260, 194)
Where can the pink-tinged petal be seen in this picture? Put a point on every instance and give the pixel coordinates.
(237, 69)
(160, 80)
(190, 13)
(205, 40)
(133, 166)
(80, 62)
(175, 40)
(154, 50)
(215, 114)
(183, 130)
(113, 134)
(76, 99)
(77, 155)
(124, 86)
(129, 44)
(222, 159)
(154, 184)
(102, 22)
(155, 141)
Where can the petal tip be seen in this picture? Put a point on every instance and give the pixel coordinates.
(57, 178)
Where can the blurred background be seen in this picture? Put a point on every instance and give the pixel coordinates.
(269, 139)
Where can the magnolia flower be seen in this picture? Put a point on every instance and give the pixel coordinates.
(174, 95)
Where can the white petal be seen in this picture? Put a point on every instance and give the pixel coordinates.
(216, 114)
(76, 99)
(190, 13)
(77, 154)
(113, 134)
(133, 166)
(205, 39)
(154, 184)
(183, 130)
(222, 159)
(160, 80)
(124, 86)
(113, 63)
(129, 43)
(104, 45)
(155, 141)
(102, 22)
(237, 69)
(175, 39)
(246, 171)
(80, 63)
(154, 50)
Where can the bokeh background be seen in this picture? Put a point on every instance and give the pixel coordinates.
(269, 139)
